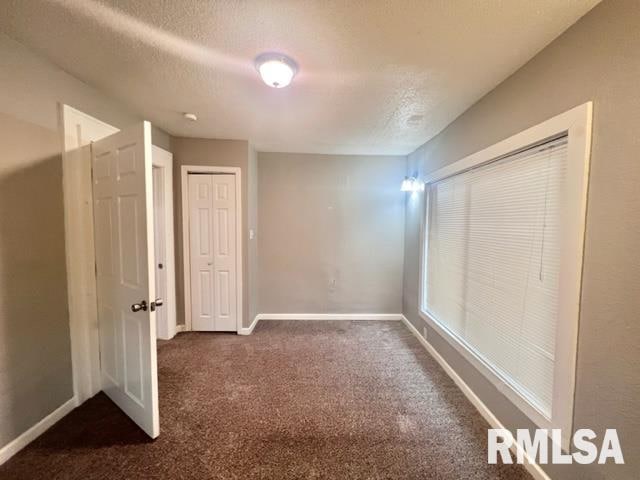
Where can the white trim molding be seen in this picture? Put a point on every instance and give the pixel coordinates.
(17, 444)
(530, 465)
(576, 124)
(329, 316)
(78, 131)
(185, 170)
(319, 316)
(163, 160)
(249, 330)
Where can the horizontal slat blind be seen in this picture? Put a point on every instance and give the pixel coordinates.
(493, 262)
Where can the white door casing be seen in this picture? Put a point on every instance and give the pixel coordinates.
(78, 131)
(159, 237)
(212, 245)
(123, 202)
(185, 170)
(164, 242)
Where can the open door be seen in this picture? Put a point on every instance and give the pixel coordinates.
(123, 206)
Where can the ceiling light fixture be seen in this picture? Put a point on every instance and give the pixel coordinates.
(277, 70)
(190, 116)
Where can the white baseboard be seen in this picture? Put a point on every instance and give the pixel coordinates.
(168, 337)
(249, 330)
(17, 444)
(533, 468)
(180, 328)
(329, 316)
(318, 316)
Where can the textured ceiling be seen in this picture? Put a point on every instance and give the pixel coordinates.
(376, 76)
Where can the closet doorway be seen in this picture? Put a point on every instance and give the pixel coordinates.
(211, 214)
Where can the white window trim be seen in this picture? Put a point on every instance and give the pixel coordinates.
(576, 124)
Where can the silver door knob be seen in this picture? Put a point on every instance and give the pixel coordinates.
(136, 307)
(157, 303)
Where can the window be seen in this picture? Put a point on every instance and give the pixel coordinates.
(502, 262)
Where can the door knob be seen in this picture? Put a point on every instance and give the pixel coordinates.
(157, 303)
(136, 307)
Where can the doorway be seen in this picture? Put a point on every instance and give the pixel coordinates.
(162, 178)
(212, 248)
(111, 253)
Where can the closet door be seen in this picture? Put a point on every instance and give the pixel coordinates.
(224, 252)
(201, 249)
(212, 227)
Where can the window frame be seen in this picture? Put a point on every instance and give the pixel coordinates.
(576, 124)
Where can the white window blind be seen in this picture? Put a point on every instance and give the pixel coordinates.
(493, 264)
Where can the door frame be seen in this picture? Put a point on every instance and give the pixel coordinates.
(164, 160)
(186, 251)
(78, 130)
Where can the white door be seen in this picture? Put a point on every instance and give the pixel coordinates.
(212, 242)
(122, 184)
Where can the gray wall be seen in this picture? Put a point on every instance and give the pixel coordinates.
(597, 59)
(331, 233)
(35, 357)
(219, 153)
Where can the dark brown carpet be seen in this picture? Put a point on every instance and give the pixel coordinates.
(356, 400)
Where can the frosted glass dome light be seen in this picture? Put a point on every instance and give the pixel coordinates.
(276, 70)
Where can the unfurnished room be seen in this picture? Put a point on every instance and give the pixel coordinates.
(320, 239)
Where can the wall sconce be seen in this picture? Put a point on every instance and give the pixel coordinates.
(412, 184)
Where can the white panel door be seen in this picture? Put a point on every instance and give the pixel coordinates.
(123, 203)
(212, 227)
(201, 249)
(224, 252)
